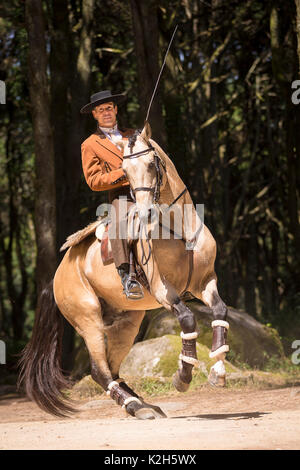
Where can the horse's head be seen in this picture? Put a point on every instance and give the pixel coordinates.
(144, 170)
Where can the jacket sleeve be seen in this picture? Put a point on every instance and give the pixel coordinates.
(96, 178)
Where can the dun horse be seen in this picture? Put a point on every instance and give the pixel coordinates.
(88, 293)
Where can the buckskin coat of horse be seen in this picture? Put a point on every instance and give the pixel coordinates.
(89, 295)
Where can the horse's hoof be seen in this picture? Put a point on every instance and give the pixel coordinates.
(179, 384)
(158, 412)
(150, 412)
(144, 410)
(145, 413)
(215, 379)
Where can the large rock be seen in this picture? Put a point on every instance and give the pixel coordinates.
(158, 357)
(250, 341)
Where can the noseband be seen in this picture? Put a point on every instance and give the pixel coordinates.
(158, 164)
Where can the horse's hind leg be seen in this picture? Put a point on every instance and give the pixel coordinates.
(85, 315)
(121, 333)
(84, 312)
(210, 297)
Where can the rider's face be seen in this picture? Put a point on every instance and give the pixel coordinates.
(106, 114)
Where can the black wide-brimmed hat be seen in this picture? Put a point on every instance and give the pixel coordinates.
(102, 97)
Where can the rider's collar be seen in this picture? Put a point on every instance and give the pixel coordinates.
(109, 130)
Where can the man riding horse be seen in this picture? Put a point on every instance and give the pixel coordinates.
(102, 168)
(92, 304)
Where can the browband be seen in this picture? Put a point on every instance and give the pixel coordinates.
(137, 154)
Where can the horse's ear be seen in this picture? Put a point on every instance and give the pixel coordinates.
(146, 132)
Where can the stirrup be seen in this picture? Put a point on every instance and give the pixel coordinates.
(133, 289)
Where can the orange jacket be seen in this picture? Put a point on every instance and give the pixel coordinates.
(102, 162)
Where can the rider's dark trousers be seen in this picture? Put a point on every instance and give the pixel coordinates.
(119, 241)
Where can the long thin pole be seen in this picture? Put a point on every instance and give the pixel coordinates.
(162, 67)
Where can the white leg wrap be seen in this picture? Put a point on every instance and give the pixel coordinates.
(111, 385)
(129, 400)
(223, 323)
(189, 360)
(193, 335)
(222, 349)
(219, 368)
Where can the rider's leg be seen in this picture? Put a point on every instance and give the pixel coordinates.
(121, 202)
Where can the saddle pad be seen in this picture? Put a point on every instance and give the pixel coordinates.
(100, 230)
(102, 235)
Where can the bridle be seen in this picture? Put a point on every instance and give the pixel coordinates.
(159, 164)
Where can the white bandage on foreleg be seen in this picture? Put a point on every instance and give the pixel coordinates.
(223, 323)
(223, 349)
(129, 400)
(190, 360)
(219, 368)
(111, 385)
(193, 335)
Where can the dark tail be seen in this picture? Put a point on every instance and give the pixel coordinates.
(40, 363)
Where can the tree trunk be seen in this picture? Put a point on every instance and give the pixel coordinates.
(45, 202)
(71, 57)
(297, 2)
(145, 27)
(59, 83)
(292, 117)
(70, 77)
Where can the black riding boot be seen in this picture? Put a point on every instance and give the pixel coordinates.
(132, 288)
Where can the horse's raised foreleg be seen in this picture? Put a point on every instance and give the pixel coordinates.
(188, 357)
(210, 297)
(168, 297)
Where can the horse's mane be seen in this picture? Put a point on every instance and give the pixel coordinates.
(79, 236)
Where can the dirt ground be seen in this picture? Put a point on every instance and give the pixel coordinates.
(204, 419)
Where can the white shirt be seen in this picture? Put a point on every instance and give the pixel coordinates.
(113, 134)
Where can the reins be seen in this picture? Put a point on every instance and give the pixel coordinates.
(156, 191)
(157, 162)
